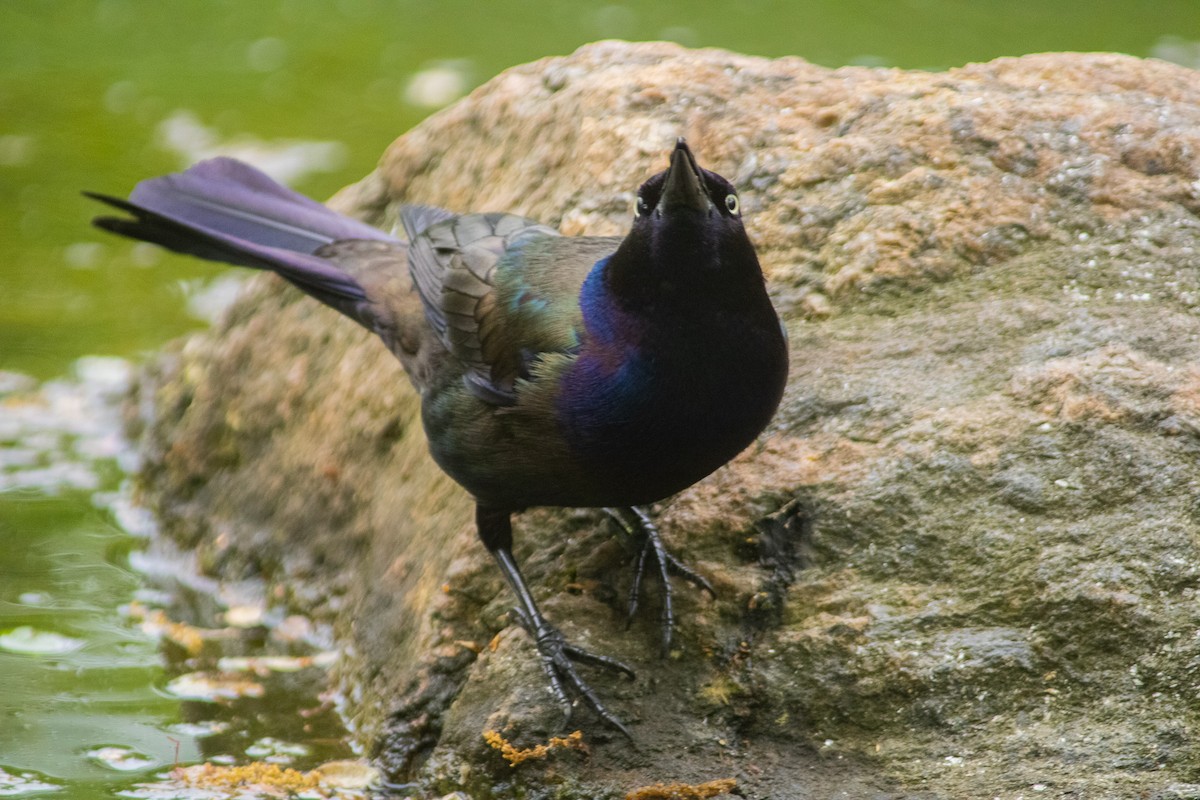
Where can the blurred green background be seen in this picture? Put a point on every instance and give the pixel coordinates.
(98, 94)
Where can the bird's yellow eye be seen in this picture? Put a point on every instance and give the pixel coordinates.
(731, 202)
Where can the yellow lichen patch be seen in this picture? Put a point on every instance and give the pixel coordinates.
(212, 776)
(720, 691)
(333, 780)
(683, 791)
(515, 755)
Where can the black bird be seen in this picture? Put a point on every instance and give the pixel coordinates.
(553, 371)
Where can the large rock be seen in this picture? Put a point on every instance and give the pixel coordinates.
(962, 562)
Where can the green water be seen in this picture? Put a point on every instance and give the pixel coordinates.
(90, 700)
(100, 94)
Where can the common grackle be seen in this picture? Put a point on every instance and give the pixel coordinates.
(553, 371)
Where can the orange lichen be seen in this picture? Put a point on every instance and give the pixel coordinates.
(257, 774)
(515, 755)
(683, 791)
(330, 781)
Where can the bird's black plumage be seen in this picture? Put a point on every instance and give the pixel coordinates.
(560, 371)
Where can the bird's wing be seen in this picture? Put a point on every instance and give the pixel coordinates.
(416, 219)
(496, 294)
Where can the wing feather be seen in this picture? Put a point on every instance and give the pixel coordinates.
(454, 261)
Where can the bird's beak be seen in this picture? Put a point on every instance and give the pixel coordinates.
(684, 188)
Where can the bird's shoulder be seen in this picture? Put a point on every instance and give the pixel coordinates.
(538, 288)
(499, 290)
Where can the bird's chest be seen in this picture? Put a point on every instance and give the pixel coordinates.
(655, 420)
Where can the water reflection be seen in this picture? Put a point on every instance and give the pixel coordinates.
(79, 680)
(94, 658)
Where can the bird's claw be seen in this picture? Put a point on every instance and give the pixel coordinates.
(636, 523)
(558, 657)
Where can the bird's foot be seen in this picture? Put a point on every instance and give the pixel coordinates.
(635, 522)
(558, 658)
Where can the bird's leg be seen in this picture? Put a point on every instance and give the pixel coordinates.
(637, 523)
(556, 654)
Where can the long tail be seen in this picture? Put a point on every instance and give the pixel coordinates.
(224, 210)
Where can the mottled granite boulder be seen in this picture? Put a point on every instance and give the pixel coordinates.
(962, 562)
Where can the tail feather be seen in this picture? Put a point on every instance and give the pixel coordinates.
(232, 197)
(224, 210)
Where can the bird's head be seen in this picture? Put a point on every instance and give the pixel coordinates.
(687, 231)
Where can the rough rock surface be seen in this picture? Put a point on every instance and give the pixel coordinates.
(961, 563)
